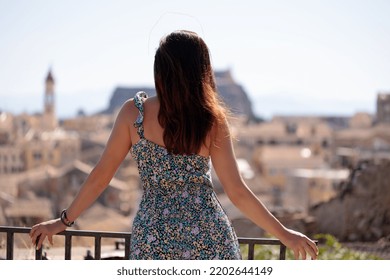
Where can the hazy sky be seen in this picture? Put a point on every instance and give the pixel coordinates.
(321, 57)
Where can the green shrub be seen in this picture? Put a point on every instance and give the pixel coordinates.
(329, 249)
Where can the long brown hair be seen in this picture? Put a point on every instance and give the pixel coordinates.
(185, 86)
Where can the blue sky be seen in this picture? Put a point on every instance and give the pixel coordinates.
(292, 57)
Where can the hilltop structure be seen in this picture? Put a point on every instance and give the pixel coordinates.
(231, 93)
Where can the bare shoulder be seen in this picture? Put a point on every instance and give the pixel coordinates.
(152, 102)
(128, 111)
(152, 99)
(131, 112)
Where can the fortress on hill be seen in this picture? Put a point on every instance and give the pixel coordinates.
(231, 93)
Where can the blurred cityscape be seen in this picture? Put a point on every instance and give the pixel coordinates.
(317, 174)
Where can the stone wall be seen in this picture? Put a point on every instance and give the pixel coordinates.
(361, 210)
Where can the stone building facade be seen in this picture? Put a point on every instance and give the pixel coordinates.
(383, 108)
(30, 141)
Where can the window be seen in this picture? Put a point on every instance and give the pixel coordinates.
(37, 156)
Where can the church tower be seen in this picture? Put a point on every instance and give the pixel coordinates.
(49, 115)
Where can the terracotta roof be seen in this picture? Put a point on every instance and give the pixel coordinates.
(38, 207)
(45, 171)
(2, 217)
(103, 218)
(288, 156)
(116, 183)
(354, 133)
(264, 130)
(335, 174)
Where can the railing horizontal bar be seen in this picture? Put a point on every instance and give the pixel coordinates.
(251, 242)
(263, 241)
(90, 233)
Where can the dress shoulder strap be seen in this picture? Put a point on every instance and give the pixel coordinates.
(139, 100)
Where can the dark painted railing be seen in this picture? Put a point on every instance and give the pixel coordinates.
(125, 236)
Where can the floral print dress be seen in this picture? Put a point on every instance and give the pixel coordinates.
(179, 216)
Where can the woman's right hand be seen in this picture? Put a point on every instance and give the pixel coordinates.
(39, 232)
(300, 244)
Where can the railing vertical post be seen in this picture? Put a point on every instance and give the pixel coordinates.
(282, 253)
(10, 245)
(38, 253)
(98, 247)
(68, 247)
(127, 247)
(251, 251)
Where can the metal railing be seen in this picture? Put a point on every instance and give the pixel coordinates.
(126, 236)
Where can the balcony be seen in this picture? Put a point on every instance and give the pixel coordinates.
(121, 238)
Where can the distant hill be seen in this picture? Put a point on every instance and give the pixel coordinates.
(232, 94)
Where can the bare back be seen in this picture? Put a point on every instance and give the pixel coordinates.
(152, 129)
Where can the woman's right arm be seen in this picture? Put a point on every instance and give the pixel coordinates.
(225, 166)
(116, 149)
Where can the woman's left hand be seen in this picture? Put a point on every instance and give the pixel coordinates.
(47, 229)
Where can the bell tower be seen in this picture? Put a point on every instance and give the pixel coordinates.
(50, 119)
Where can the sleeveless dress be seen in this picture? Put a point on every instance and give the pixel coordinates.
(179, 216)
